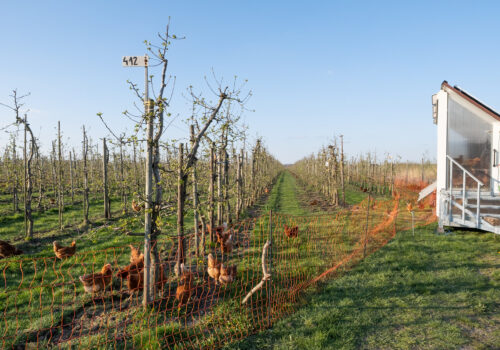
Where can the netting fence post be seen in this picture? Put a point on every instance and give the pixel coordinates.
(270, 267)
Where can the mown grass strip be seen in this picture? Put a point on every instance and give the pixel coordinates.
(436, 292)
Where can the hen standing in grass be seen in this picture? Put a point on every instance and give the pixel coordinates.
(7, 250)
(135, 254)
(136, 207)
(64, 252)
(185, 287)
(291, 232)
(227, 274)
(97, 282)
(213, 268)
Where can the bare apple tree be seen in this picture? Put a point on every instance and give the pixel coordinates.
(16, 107)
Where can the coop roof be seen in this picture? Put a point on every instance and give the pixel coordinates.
(476, 102)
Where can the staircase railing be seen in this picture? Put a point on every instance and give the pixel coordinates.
(465, 172)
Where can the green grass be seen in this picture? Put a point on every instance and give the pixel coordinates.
(227, 317)
(424, 292)
(284, 196)
(100, 234)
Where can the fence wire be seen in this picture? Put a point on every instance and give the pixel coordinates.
(44, 302)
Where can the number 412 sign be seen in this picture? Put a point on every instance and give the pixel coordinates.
(135, 61)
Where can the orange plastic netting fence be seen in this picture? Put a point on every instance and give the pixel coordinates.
(81, 302)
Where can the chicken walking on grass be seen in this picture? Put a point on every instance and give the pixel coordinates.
(185, 287)
(8, 250)
(291, 232)
(213, 268)
(136, 206)
(133, 273)
(62, 252)
(135, 254)
(97, 282)
(227, 274)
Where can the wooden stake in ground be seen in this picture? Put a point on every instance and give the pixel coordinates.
(148, 107)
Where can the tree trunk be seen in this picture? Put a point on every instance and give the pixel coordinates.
(29, 180)
(71, 161)
(105, 159)
(212, 193)
(60, 193)
(227, 206)
(219, 188)
(40, 181)
(181, 187)
(122, 180)
(342, 168)
(86, 205)
(136, 170)
(238, 186)
(155, 231)
(15, 199)
(25, 183)
(195, 201)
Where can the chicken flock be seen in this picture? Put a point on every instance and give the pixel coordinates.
(132, 275)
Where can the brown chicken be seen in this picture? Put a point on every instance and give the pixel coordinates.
(224, 237)
(135, 281)
(136, 206)
(97, 282)
(227, 245)
(134, 274)
(185, 287)
(134, 267)
(227, 274)
(220, 234)
(7, 250)
(291, 232)
(213, 268)
(135, 254)
(64, 252)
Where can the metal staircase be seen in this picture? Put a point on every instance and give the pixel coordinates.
(464, 207)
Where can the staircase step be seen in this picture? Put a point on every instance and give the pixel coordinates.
(483, 206)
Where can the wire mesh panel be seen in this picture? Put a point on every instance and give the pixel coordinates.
(249, 276)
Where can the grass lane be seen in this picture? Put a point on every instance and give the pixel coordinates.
(427, 291)
(284, 196)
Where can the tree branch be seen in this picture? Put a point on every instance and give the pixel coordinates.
(266, 276)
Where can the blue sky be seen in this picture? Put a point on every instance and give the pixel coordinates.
(365, 69)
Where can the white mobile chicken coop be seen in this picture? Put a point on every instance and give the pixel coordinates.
(467, 185)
